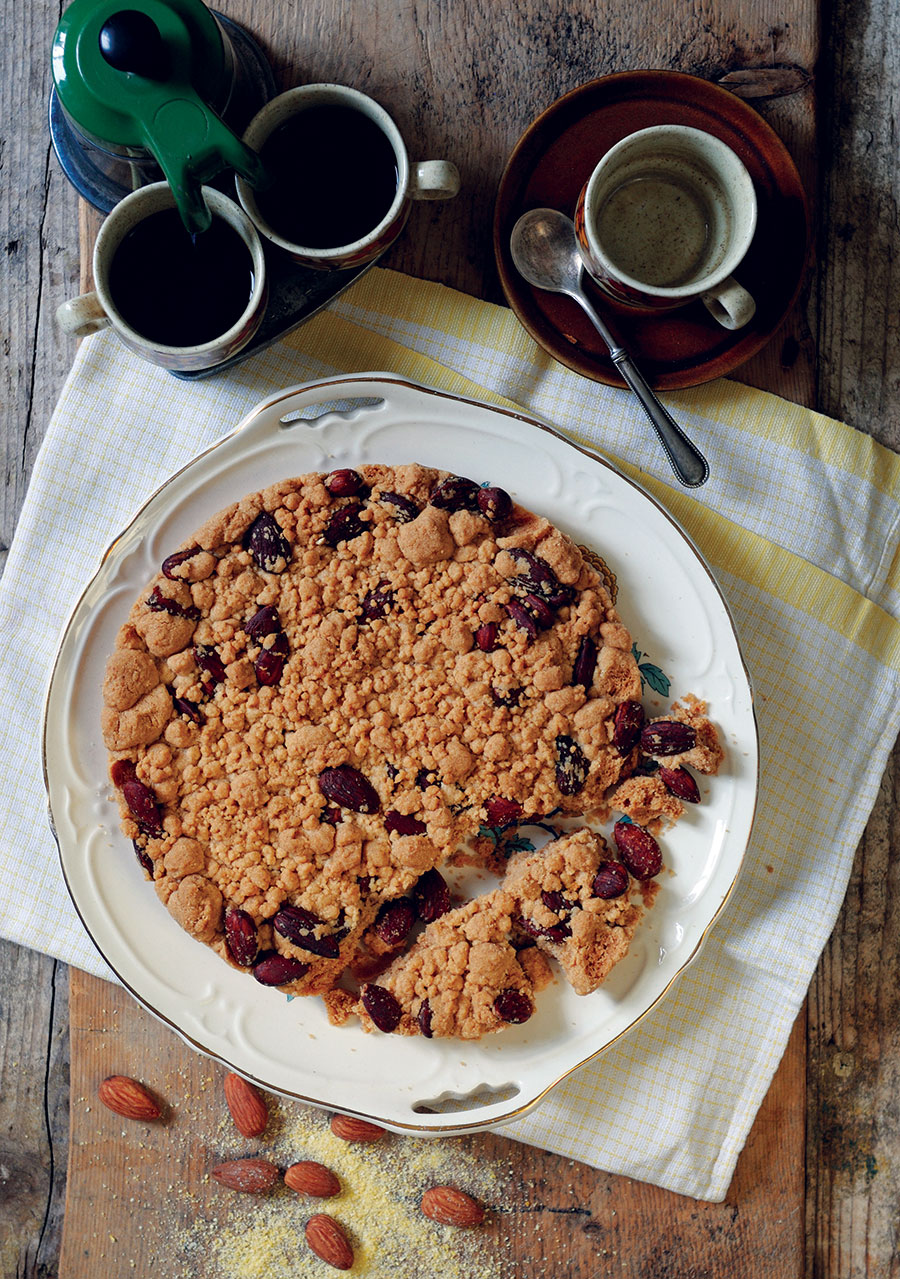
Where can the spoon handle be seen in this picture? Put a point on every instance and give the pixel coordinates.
(686, 460)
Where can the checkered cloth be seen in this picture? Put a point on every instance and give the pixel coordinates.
(799, 521)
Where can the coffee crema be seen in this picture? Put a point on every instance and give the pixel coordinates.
(177, 289)
(333, 176)
(663, 226)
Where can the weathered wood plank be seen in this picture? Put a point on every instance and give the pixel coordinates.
(854, 1022)
(858, 295)
(854, 1066)
(37, 248)
(34, 1118)
(39, 257)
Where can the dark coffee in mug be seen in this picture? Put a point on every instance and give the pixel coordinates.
(333, 176)
(177, 289)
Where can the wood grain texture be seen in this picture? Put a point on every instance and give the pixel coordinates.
(39, 255)
(854, 1066)
(854, 1005)
(39, 259)
(496, 68)
(545, 1212)
(34, 1116)
(858, 293)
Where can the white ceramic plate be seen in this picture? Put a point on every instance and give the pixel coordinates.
(681, 625)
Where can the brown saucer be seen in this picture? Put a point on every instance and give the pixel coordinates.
(552, 161)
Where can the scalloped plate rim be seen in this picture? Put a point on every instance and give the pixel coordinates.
(471, 412)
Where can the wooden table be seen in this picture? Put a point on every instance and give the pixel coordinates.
(816, 1188)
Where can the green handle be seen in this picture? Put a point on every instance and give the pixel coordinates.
(192, 146)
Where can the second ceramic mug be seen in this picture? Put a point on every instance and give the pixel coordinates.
(666, 217)
(149, 288)
(341, 178)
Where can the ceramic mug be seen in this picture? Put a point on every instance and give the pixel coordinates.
(341, 181)
(666, 217)
(155, 312)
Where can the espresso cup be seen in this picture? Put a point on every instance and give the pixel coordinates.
(341, 183)
(666, 217)
(186, 303)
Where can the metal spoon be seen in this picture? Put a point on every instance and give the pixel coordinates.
(545, 252)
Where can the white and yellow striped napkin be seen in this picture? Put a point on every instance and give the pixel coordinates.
(799, 521)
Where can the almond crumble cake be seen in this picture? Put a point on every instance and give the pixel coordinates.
(338, 683)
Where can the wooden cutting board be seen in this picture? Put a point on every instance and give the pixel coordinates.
(139, 1197)
(140, 1200)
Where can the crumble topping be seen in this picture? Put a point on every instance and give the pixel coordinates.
(338, 682)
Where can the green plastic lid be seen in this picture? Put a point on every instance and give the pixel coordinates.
(151, 77)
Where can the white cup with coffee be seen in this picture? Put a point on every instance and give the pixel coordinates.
(666, 218)
(186, 302)
(341, 181)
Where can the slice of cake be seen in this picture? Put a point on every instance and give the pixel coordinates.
(462, 977)
(578, 905)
